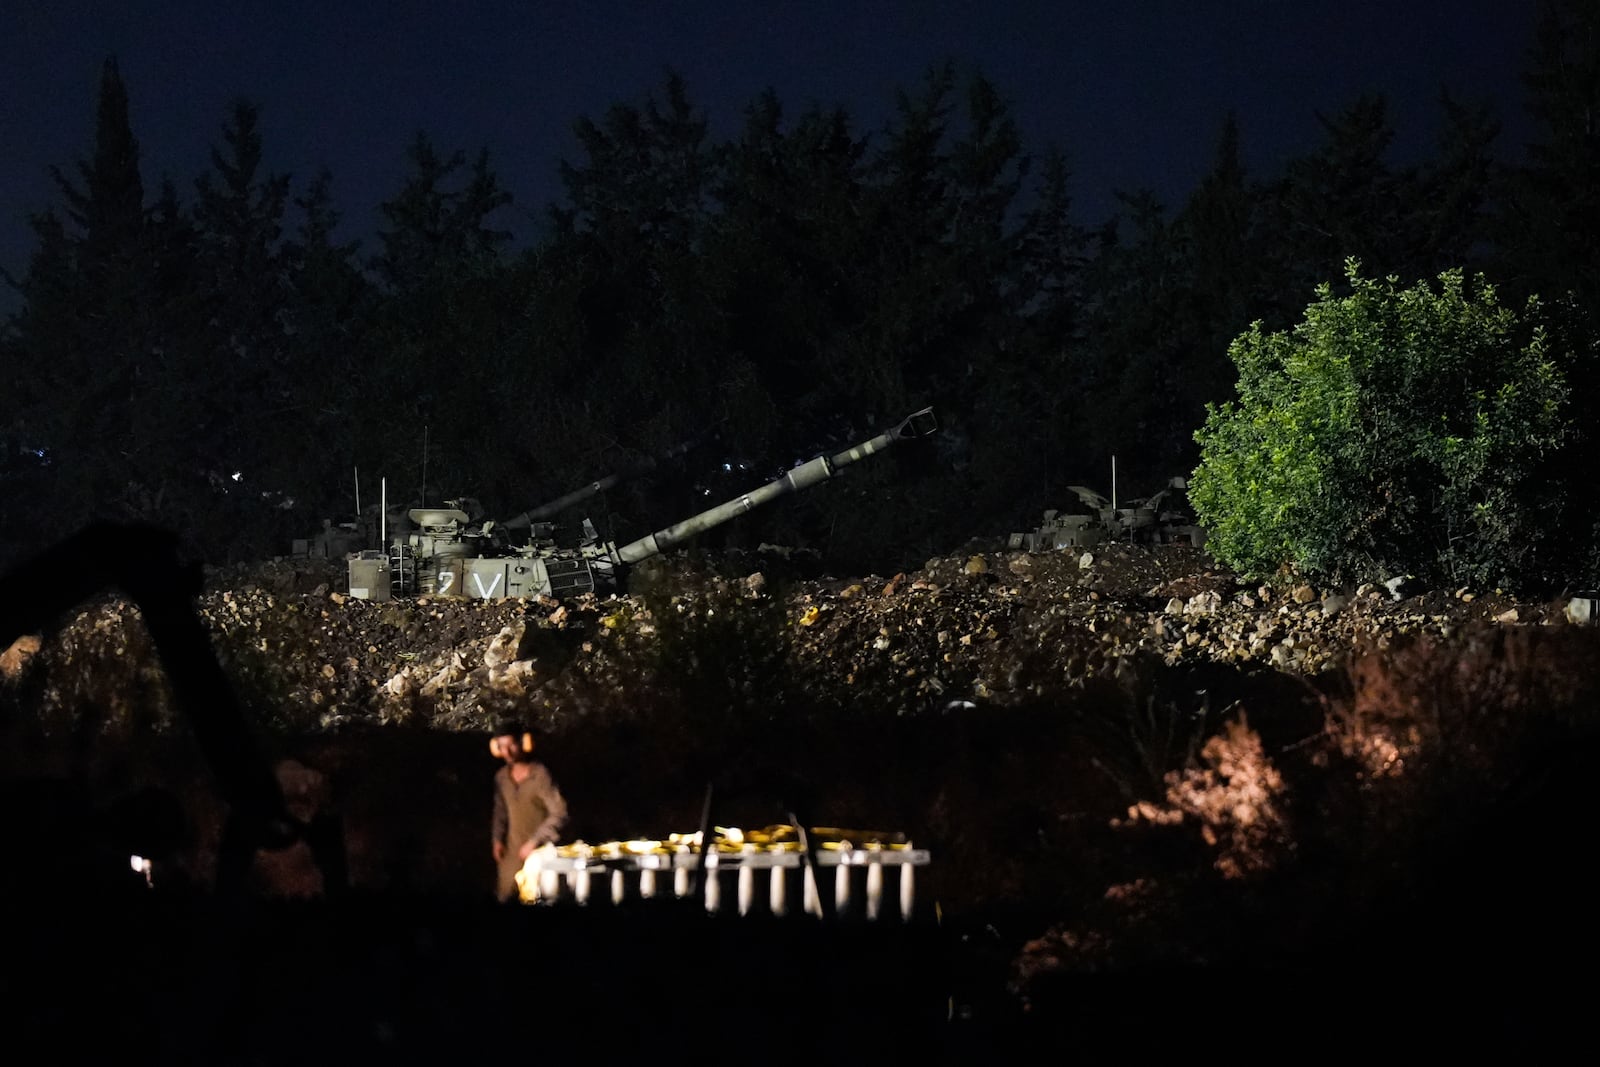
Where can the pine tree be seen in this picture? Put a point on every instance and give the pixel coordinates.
(638, 217)
(438, 226)
(239, 216)
(437, 344)
(1451, 212)
(1550, 226)
(108, 208)
(1226, 286)
(1136, 376)
(250, 420)
(1342, 200)
(328, 312)
(87, 340)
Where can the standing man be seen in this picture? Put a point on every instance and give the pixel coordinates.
(528, 808)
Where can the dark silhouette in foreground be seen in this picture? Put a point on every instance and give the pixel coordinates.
(176, 974)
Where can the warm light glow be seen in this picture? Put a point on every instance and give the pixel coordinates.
(542, 874)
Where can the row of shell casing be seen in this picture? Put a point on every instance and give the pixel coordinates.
(761, 868)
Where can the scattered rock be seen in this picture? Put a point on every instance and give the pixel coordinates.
(1303, 594)
(1582, 610)
(503, 647)
(1403, 587)
(15, 658)
(446, 659)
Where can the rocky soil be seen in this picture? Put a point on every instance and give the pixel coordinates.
(1120, 758)
(987, 626)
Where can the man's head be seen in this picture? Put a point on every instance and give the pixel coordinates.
(512, 741)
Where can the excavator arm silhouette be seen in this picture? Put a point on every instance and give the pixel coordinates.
(145, 564)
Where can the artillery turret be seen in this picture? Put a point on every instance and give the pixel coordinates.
(446, 554)
(531, 518)
(352, 536)
(1068, 529)
(1162, 518)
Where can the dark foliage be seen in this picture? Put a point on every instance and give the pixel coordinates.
(225, 364)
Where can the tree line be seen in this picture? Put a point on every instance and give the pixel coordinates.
(216, 359)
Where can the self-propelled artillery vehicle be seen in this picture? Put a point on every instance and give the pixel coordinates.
(1162, 518)
(447, 551)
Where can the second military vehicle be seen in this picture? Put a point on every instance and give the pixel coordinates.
(1162, 518)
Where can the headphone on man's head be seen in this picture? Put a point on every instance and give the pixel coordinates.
(494, 742)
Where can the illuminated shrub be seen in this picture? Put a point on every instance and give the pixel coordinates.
(1393, 431)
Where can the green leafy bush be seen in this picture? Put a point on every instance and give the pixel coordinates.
(1392, 431)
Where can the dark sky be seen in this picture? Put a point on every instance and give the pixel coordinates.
(1135, 91)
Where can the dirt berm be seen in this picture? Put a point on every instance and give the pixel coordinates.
(1120, 758)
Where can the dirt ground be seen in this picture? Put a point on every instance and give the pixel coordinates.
(1123, 761)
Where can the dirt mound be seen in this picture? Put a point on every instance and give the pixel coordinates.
(1120, 758)
(987, 626)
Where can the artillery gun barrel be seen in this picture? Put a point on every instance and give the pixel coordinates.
(578, 496)
(917, 424)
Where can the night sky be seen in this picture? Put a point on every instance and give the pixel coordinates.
(1135, 93)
